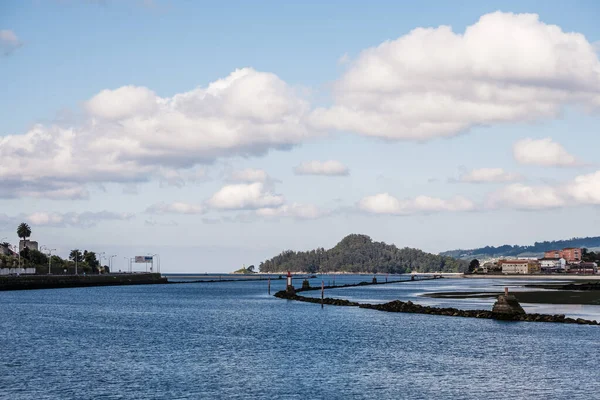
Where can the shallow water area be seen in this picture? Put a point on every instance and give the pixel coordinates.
(233, 340)
(414, 291)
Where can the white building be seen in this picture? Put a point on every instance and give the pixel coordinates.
(553, 263)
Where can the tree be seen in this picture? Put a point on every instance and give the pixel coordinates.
(24, 232)
(90, 258)
(250, 268)
(473, 265)
(36, 257)
(76, 255)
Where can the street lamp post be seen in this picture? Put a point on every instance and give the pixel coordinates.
(50, 259)
(152, 264)
(110, 262)
(100, 257)
(76, 257)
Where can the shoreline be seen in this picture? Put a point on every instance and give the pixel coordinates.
(33, 282)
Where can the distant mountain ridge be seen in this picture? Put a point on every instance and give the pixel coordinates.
(537, 249)
(360, 254)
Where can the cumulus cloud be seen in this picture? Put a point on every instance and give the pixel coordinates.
(331, 168)
(294, 210)
(543, 152)
(175, 208)
(384, 203)
(525, 197)
(585, 189)
(248, 175)
(9, 41)
(132, 135)
(582, 190)
(86, 219)
(244, 197)
(433, 82)
(488, 175)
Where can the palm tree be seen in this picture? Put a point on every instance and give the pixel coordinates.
(76, 255)
(24, 231)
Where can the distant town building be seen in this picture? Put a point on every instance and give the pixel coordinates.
(519, 266)
(583, 268)
(570, 254)
(31, 245)
(552, 264)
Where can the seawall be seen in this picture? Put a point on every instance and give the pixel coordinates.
(29, 282)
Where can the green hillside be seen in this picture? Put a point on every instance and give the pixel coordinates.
(360, 254)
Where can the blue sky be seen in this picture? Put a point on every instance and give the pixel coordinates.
(340, 119)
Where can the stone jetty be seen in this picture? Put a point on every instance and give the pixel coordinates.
(505, 309)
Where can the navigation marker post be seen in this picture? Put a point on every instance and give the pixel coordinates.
(322, 292)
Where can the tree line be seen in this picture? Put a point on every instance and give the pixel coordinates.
(515, 250)
(360, 254)
(84, 262)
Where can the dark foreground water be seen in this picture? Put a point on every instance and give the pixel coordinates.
(232, 340)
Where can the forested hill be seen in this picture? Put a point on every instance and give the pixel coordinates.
(537, 248)
(358, 253)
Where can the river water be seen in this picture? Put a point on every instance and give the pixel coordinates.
(232, 340)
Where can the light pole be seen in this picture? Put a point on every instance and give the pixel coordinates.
(110, 263)
(158, 262)
(50, 259)
(76, 258)
(100, 257)
(157, 265)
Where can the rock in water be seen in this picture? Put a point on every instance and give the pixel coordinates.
(507, 304)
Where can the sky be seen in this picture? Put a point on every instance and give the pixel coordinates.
(218, 134)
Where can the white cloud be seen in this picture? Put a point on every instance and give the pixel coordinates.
(585, 189)
(9, 41)
(433, 82)
(132, 135)
(344, 59)
(70, 219)
(42, 218)
(488, 175)
(244, 197)
(582, 190)
(175, 208)
(124, 102)
(249, 175)
(544, 152)
(295, 210)
(525, 197)
(384, 203)
(331, 168)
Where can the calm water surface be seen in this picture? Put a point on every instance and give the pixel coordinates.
(232, 340)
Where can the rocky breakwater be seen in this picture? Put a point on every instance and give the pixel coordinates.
(505, 314)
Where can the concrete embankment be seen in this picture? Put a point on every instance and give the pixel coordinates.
(28, 282)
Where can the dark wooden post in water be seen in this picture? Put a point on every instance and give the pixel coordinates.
(322, 292)
(269, 285)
